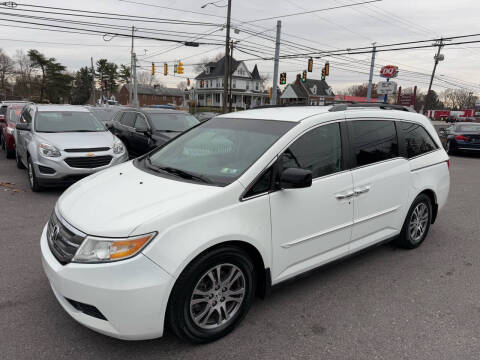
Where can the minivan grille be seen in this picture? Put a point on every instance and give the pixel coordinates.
(87, 150)
(62, 241)
(88, 162)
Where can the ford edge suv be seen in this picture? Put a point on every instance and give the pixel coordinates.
(235, 205)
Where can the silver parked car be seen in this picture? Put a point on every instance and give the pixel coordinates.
(60, 144)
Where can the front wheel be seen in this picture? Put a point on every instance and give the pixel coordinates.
(450, 148)
(416, 225)
(32, 177)
(18, 160)
(212, 295)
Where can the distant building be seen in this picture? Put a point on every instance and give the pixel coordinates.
(150, 95)
(247, 89)
(311, 92)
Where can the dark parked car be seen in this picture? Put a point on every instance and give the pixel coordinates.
(142, 130)
(461, 136)
(204, 116)
(7, 128)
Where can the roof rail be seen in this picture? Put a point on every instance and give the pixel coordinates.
(279, 105)
(346, 106)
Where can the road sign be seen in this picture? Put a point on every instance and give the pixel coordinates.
(406, 100)
(386, 88)
(389, 71)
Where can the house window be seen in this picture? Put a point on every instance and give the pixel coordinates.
(234, 84)
(256, 85)
(211, 83)
(217, 98)
(248, 85)
(164, 98)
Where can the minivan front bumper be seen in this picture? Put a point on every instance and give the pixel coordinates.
(125, 299)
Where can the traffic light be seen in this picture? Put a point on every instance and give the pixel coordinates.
(323, 74)
(175, 68)
(310, 65)
(304, 76)
(188, 82)
(153, 68)
(180, 67)
(283, 78)
(165, 69)
(327, 68)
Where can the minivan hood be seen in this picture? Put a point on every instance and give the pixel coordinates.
(75, 140)
(114, 202)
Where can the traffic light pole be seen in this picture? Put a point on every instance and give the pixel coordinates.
(275, 66)
(226, 61)
(135, 86)
(130, 93)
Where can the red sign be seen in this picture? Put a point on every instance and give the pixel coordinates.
(406, 100)
(389, 71)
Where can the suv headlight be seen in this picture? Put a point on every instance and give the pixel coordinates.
(118, 147)
(99, 250)
(49, 150)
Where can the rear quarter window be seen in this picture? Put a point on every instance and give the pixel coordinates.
(414, 139)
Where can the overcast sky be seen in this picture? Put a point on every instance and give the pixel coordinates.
(385, 22)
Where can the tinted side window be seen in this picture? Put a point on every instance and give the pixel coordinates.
(26, 115)
(262, 185)
(319, 150)
(128, 119)
(3, 110)
(414, 139)
(374, 140)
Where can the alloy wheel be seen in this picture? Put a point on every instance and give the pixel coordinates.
(217, 296)
(418, 222)
(30, 173)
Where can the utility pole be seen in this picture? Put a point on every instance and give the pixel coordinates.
(438, 57)
(275, 66)
(135, 87)
(130, 93)
(226, 63)
(93, 83)
(230, 89)
(372, 66)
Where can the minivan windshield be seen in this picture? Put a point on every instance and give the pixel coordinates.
(174, 122)
(67, 121)
(217, 151)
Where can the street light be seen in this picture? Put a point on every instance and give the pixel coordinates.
(214, 3)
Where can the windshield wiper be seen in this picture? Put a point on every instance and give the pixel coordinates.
(178, 172)
(170, 131)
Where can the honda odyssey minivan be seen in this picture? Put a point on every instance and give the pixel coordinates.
(235, 205)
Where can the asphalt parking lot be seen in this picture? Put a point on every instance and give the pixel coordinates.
(385, 303)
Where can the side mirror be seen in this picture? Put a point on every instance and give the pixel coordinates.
(295, 178)
(2, 119)
(23, 126)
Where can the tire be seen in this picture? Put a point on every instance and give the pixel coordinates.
(18, 160)
(201, 322)
(2, 143)
(32, 177)
(417, 223)
(450, 148)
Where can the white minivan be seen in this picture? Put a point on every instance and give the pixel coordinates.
(188, 234)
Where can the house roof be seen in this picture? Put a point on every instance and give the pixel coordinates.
(160, 91)
(311, 87)
(255, 73)
(218, 70)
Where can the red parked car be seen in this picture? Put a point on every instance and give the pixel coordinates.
(8, 121)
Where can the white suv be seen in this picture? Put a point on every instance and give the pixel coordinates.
(188, 234)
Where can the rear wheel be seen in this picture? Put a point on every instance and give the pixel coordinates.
(212, 295)
(450, 148)
(18, 160)
(417, 223)
(2, 142)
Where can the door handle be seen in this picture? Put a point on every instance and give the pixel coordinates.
(362, 190)
(345, 195)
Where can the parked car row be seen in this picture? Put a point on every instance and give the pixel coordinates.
(60, 144)
(461, 137)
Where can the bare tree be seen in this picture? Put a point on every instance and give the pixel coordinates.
(205, 60)
(264, 80)
(359, 90)
(457, 99)
(6, 69)
(182, 85)
(145, 78)
(24, 71)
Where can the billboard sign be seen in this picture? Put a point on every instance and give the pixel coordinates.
(389, 71)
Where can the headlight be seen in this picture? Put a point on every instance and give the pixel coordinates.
(98, 250)
(49, 150)
(10, 130)
(118, 147)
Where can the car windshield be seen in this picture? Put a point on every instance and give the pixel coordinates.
(14, 115)
(218, 151)
(176, 122)
(67, 121)
(468, 128)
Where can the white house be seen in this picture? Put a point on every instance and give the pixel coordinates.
(247, 89)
